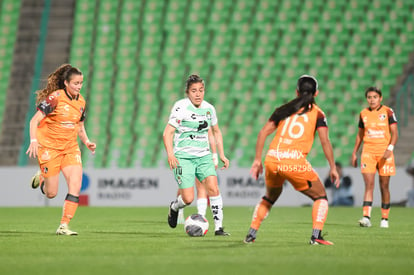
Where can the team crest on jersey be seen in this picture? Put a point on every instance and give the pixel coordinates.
(208, 115)
(382, 117)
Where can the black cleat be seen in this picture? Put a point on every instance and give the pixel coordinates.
(251, 236)
(249, 239)
(221, 232)
(172, 217)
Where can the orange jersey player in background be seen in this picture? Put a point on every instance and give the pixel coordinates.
(295, 124)
(54, 129)
(379, 132)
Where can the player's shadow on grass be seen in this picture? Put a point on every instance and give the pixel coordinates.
(12, 233)
(160, 235)
(240, 244)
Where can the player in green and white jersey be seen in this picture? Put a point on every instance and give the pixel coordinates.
(202, 197)
(187, 145)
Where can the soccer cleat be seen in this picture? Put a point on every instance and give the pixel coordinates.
(172, 217)
(221, 232)
(63, 229)
(319, 240)
(249, 239)
(365, 222)
(384, 223)
(251, 236)
(37, 179)
(181, 219)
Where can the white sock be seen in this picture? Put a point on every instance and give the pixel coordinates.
(216, 206)
(202, 206)
(178, 204)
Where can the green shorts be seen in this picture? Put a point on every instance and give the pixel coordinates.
(188, 169)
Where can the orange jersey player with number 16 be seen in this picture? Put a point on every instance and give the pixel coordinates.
(295, 124)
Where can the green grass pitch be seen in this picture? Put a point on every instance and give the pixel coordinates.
(139, 241)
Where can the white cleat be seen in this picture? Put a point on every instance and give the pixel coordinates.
(365, 222)
(384, 224)
(64, 230)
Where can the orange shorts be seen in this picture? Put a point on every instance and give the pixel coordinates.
(298, 172)
(370, 163)
(51, 161)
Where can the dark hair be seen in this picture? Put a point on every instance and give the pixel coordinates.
(373, 89)
(191, 80)
(306, 88)
(56, 80)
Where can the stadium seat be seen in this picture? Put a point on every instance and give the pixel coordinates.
(250, 54)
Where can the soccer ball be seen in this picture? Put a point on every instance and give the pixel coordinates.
(196, 225)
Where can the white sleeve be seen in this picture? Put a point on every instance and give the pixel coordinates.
(175, 118)
(214, 119)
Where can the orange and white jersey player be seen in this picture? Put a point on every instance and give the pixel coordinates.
(295, 124)
(378, 131)
(54, 130)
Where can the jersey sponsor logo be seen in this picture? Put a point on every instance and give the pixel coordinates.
(375, 133)
(67, 124)
(197, 137)
(66, 107)
(289, 154)
(365, 119)
(203, 125)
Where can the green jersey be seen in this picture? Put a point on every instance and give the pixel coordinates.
(191, 128)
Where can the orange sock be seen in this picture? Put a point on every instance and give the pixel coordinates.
(385, 211)
(319, 213)
(69, 208)
(260, 213)
(366, 208)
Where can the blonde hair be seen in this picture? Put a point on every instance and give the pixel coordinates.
(56, 81)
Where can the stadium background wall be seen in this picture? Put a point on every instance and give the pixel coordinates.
(156, 187)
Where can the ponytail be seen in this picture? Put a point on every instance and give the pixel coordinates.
(306, 88)
(305, 101)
